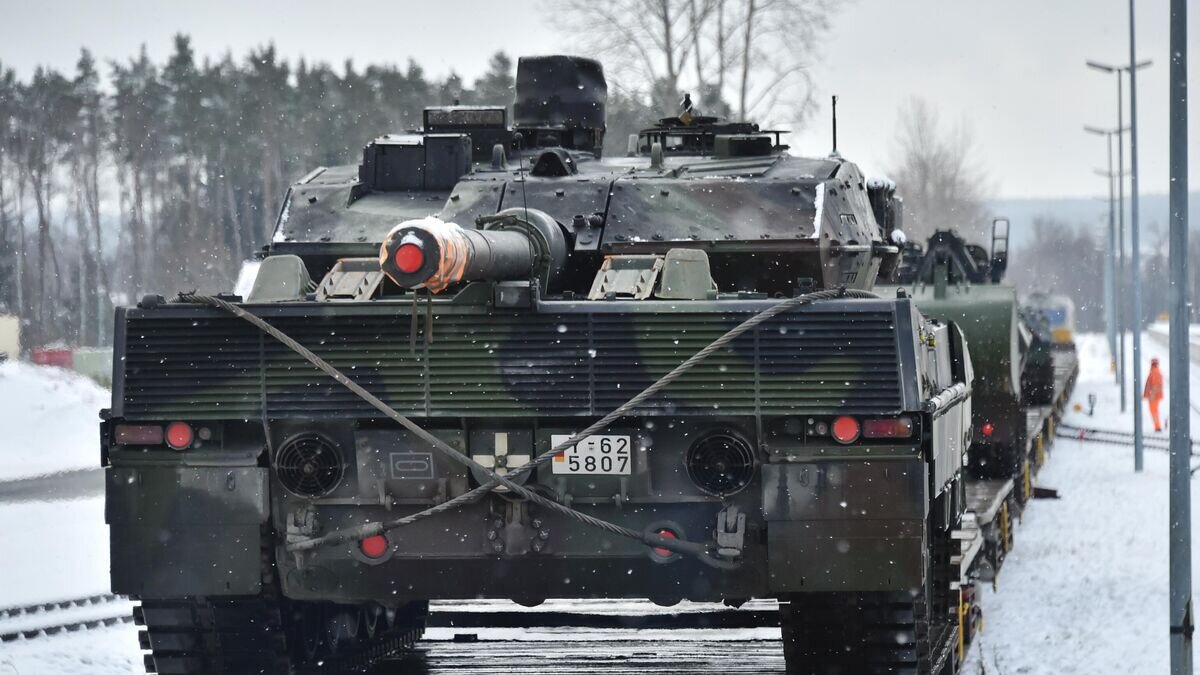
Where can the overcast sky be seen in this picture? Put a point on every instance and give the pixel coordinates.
(1013, 71)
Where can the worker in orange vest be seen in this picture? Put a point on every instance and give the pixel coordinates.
(1154, 392)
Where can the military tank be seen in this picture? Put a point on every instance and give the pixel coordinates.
(1037, 369)
(955, 280)
(488, 362)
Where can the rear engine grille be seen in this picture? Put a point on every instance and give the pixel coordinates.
(214, 366)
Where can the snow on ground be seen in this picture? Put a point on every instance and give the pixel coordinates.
(101, 651)
(49, 420)
(1085, 590)
(53, 551)
(58, 551)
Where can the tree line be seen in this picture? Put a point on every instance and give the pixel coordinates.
(134, 176)
(137, 176)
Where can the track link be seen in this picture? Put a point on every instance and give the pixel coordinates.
(234, 635)
(898, 632)
(268, 634)
(867, 633)
(257, 635)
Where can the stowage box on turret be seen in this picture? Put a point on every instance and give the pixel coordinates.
(469, 299)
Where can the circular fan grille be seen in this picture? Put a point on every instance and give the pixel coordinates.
(309, 465)
(721, 463)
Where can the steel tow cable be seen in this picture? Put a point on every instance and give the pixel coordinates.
(699, 550)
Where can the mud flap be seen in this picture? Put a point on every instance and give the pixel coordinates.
(834, 526)
(180, 531)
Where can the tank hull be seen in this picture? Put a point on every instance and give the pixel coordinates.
(188, 523)
(988, 316)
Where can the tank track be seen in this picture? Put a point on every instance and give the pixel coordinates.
(868, 633)
(223, 636)
(248, 635)
(875, 633)
(269, 634)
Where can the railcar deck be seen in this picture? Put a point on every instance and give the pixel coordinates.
(986, 535)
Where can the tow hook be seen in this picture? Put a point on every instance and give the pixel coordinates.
(731, 532)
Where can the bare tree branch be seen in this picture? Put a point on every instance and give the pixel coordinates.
(942, 185)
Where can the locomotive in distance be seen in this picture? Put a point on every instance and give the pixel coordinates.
(494, 290)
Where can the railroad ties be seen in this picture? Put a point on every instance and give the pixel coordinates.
(63, 616)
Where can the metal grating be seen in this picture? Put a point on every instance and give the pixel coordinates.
(510, 365)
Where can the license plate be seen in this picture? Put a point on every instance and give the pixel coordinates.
(594, 456)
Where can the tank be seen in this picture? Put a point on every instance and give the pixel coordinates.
(1037, 371)
(662, 376)
(955, 280)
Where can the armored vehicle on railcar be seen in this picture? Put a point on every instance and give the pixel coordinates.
(954, 280)
(487, 362)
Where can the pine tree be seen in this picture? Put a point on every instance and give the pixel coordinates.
(90, 132)
(496, 85)
(47, 121)
(10, 259)
(202, 155)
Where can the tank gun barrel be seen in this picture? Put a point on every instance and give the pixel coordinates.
(511, 245)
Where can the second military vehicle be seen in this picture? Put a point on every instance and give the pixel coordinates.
(486, 362)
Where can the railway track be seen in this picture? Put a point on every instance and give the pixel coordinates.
(1115, 437)
(595, 636)
(625, 652)
(63, 616)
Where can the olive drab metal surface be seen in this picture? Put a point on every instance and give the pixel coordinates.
(1010, 344)
(495, 288)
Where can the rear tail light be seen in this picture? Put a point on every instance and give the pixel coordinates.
(180, 435)
(138, 434)
(846, 429)
(374, 546)
(888, 428)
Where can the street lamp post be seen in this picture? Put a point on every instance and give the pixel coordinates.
(1110, 271)
(1180, 510)
(1122, 323)
(1135, 251)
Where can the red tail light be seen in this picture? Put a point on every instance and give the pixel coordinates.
(888, 428)
(179, 435)
(987, 429)
(409, 258)
(374, 546)
(665, 552)
(846, 430)
(138, 434)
